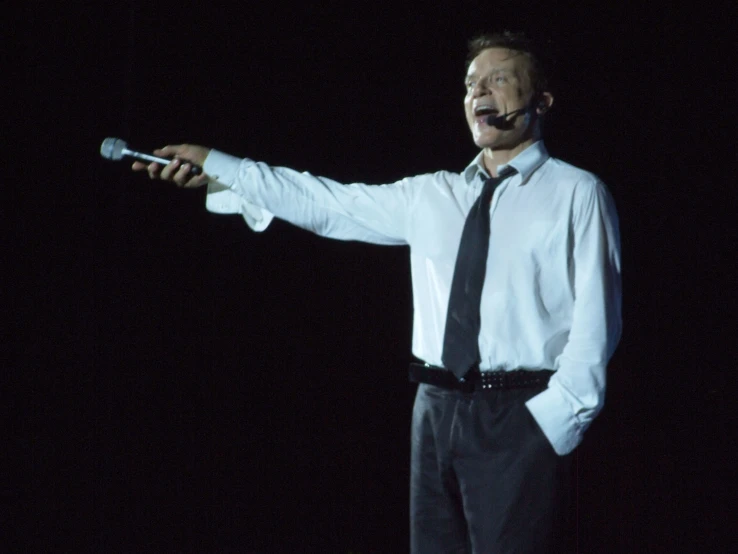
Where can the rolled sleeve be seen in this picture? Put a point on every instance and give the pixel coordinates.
(556, 419)
(222, 199)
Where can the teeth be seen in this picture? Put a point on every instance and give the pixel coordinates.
(484, 110)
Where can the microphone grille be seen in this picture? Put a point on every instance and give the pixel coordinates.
(112, 148)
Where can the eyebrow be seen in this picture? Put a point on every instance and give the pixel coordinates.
(497, 70)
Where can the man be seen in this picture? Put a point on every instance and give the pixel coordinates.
(516, 283)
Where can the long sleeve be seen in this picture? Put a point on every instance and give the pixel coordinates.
(259, 192)
(576, 392)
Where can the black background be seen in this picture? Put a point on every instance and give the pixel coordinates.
(177, 383)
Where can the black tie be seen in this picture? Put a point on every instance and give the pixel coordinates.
(461, 339)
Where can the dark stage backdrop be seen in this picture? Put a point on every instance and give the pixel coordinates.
(177, 383)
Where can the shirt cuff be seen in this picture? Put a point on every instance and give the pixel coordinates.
(222, 170)
(554, 417)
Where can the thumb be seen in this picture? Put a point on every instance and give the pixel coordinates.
(171, 150)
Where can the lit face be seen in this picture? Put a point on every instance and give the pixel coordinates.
(498, 83)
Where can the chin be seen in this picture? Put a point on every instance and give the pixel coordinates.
(499, 141)
(486, 142)
(492, 137)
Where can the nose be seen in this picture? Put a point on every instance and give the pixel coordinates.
(480, 88)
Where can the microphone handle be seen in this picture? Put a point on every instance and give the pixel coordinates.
(141, 157)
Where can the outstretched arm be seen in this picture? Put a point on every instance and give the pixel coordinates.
(369, 213)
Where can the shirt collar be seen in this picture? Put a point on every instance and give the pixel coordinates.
(525, 163)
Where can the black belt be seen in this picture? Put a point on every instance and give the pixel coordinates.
(479, 380)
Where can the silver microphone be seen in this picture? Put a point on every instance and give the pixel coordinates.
(115, 149)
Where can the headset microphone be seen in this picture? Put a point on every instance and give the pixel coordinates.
(502, 122)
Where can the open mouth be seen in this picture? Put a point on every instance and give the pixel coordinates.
(481, 113)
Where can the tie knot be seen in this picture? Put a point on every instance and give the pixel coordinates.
(506, 172)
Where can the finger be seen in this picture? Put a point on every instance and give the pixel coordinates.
(196, 181)
(182, 176)
(138, 166)
(170, 170)
(187, 180)
(154, 170)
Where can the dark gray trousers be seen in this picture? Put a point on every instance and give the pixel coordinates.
(484, 479)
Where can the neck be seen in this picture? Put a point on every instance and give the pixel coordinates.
(502, 154)
(492, 157)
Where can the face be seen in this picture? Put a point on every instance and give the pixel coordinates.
(498, 83)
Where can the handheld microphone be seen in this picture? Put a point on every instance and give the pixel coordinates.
(115, 149)
(501, 121)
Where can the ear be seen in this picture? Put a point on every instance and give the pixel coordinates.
(544, 103)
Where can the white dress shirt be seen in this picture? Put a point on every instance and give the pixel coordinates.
(552, 292)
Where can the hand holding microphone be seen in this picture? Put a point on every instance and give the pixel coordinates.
(180, 164)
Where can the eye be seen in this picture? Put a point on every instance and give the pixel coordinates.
(500, 80)
(469, 84)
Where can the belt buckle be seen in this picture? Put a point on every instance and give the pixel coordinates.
(471, 381)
